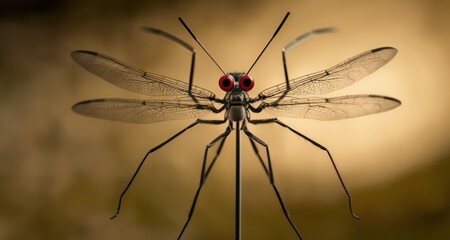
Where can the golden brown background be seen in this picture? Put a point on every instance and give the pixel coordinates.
(61, 173)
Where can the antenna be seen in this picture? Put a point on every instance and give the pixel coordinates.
(204, 49)
(276, 32)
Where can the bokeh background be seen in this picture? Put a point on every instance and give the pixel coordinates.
(61, 173)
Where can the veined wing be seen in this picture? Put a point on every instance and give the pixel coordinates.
(141, 111)
(331, 108)
(134, 79)
(334, 78)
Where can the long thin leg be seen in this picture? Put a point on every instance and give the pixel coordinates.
(255, 149)
(153, 150)
(203, 175)
(275, 120)
(292, 44)
(185, 45)
(271, 178)
(213, 161)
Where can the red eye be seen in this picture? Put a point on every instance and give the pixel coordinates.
(226, 83)
(246, 83)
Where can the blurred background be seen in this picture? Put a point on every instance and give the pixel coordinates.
(61, 174)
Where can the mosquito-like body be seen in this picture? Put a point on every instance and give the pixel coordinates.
(170, 99)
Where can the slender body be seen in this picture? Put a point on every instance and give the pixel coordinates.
(171, 99)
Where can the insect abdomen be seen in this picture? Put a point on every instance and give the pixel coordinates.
(236, 113)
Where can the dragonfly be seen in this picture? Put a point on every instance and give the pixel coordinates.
(172, 99)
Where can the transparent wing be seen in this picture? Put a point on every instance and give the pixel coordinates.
(141, 111)
(331, 108)
(134, 79)
(337, 77)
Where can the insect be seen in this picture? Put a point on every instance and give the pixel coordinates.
(171, 99)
